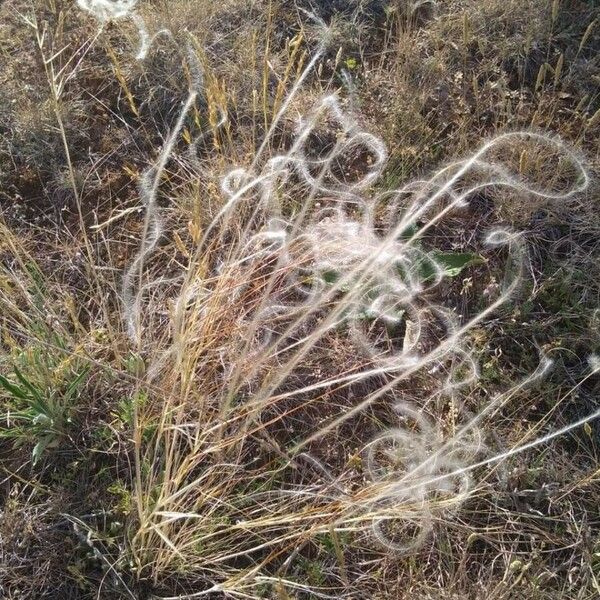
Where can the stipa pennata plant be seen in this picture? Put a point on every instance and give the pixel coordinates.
(112, 10)
(413, 466)
(282, 282)
(307, 255)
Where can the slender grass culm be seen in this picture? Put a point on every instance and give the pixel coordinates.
(308, 378)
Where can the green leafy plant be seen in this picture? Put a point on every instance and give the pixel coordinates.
(39, 411)
(449, 263)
